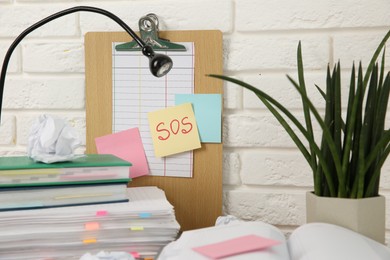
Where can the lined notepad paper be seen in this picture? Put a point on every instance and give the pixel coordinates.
(136, 92)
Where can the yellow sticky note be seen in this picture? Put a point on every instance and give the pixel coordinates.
(89, 241)
(174, 130)
(138, 228)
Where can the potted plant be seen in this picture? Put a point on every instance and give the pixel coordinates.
(347, 164)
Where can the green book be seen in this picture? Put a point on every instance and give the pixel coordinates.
(92, 168)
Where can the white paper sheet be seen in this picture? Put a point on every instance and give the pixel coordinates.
(136, 92)
(144, 225)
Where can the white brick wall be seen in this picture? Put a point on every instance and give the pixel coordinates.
(19, 17)
(53, 57)
(263, 52)
(58, 92)
(265, 176)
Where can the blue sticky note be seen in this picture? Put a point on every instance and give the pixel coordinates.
(208, 114)
(145, 215)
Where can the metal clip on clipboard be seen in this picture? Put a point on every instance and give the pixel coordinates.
(148, 27)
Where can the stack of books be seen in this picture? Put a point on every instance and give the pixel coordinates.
(94, 178)
(64, 210)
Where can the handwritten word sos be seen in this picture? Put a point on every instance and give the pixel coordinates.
(176, 126)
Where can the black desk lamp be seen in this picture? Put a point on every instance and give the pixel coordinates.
(159, 64)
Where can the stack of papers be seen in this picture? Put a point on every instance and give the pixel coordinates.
(142, 226)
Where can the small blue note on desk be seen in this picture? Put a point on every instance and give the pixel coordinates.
(208, 114)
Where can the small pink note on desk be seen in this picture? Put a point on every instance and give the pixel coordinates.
(235, 246)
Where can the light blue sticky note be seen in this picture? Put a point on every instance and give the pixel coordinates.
(145, 215)
(208, 114)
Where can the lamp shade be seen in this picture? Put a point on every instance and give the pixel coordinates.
(159, 64)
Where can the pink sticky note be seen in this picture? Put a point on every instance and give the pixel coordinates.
(128, 146)
(135, 254)
(235, 246)
(101, 213)
(90, 226)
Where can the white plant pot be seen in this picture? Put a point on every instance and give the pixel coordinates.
(365, 216)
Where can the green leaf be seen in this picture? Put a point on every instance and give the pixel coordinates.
(306, 110)
(263, 96)
(329, 140)
(321, 160)
(374, 58)
(349, 162)
(380, 138)
(338, 121)
(356, 123)
(366, 134)
(372, 189)
(348, 132)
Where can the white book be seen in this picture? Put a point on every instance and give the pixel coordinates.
(313, 241)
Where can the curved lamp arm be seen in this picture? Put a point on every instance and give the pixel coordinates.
(159, 64)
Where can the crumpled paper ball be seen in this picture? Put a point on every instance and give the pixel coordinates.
(52, 140)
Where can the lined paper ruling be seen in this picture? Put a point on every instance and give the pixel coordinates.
(136, 92)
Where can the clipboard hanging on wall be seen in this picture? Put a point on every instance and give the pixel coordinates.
(197, 200)
(136, 93)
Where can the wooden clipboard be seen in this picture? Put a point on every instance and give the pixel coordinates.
(198, 200)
